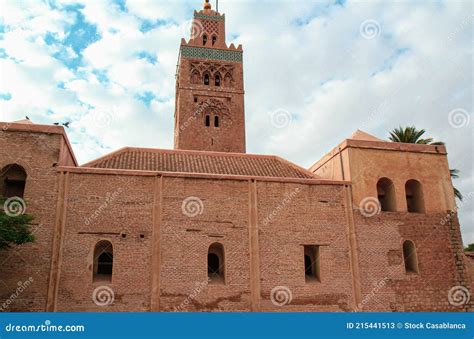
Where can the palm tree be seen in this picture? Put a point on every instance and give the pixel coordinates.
(411, 135)
(454, 175)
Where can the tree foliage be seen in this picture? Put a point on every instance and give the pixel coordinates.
(14, 230)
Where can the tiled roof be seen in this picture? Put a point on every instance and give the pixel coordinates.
(200, 162)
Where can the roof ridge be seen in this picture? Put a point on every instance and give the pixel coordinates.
(297, 167)
(213, 153)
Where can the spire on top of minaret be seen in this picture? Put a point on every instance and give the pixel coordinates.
(207, 5)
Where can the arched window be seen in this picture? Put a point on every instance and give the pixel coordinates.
(386, 194)
(207, 121)
(410, 257)
(216, 121)
(215, 263)
(103, 261)
(414, 195)
(12, 181)
(311, 263)
(214, 39)
(204, 40)
(206, 79)
(228, 80)
(195, 77)
(217, 80)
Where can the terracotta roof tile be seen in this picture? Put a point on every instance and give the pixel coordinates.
(200, 162)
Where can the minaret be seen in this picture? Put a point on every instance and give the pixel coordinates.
(209, 113)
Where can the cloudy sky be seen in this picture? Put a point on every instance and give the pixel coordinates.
(314, 73)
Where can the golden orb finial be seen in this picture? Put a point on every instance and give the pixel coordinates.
(207, 5)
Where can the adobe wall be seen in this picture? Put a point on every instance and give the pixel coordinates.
(469, 259)
(367, 166)
(106, 207)
(334, 165)
(309, 215)
(26, 267)
(285, 219)
(263, 226)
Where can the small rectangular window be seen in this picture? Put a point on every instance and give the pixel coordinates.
(312, 270)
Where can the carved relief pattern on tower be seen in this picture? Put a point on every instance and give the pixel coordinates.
(210, 26)
(211, 53)
(225, 72)
(216, 107)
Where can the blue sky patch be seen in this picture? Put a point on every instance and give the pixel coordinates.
(148, 25)
(151, 58)
(145, 97)
(121, 4)
(391, 60)
(5, 96)
(101, 75)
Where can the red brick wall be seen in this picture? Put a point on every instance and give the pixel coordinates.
(36, 153)
(380, 240)
(185, 243)
(469, 259)
(289, 216)
(97, 207)
(310, 215)
(261, 225)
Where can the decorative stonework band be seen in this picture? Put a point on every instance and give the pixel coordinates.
(209, 17)
(211, 54)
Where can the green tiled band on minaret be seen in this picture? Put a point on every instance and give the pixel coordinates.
(209, 17)
(211, 53)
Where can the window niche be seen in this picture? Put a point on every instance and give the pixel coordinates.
(312, 270)
(386, 195)
(12, 181)
(216, 264)
(103, 261)
(414, 196)
(410, 257)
